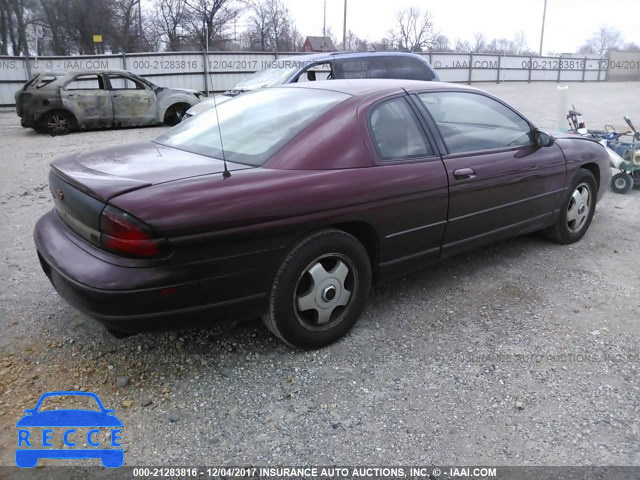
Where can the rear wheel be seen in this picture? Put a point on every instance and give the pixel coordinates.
(577, 210)
(622, 182)
(319, 290)
(58, 123)
(175, 113)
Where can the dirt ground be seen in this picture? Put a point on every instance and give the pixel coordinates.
(522, 353)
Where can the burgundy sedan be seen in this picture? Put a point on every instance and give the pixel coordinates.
(290, 202)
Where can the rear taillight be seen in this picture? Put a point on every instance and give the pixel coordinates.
(124, 234)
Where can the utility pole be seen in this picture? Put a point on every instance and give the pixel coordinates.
(544, 16)
(344, 28)
(324, 27)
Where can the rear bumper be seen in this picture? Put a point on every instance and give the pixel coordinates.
(132, 300)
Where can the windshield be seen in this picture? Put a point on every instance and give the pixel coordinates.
(266, 78)
(253, 126)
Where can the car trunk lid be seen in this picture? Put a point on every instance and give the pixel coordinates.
(107, 173)
(82, 184)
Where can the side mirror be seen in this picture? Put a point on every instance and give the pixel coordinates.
(543, 139)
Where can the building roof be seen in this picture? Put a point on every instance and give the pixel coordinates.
(321, 43)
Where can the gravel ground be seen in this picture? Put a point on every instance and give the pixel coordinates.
(522, 353)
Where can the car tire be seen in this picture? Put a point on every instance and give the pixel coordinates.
(622, 182)
(577, 209)
(319, 290)
(175, 114)
(58, 122)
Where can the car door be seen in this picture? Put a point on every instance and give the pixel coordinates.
(134, 102)
(87, 98)
(414, 218)
(501, 183)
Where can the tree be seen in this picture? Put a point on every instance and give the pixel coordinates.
(382, 45)
(441, 44)
(414, 31)
(168, 19)
(127, 26)
(463, 46)
(605, 39)
(520, 43)
(209, 20)
(280, 25)
(501, 46)
(355, 43)
(259, 29)
(15, 16)
(479, 42)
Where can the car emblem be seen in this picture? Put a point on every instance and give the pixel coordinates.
(59, 194)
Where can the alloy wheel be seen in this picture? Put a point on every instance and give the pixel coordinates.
(579, 208)
(324, 291)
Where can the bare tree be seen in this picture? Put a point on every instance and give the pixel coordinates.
(211, 18)
(463, 46)
(355, 43)
(127, 23)
(605, 39)
(479, 42)
(414, 30)
(520, 43)
(441, 44)
(259, 29)
(280, 25)
(14, 19)
(168, 20)
(501, 46)
(382, 45)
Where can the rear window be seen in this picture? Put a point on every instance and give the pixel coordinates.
(253, 126)
(400, 67)
(39, 81)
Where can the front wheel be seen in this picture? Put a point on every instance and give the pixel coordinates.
(175, 114)
(319, 290)
(577, 210)
(622, 182)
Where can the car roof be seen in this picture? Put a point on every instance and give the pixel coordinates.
(319, 57)
(366, 85)
(90, 72)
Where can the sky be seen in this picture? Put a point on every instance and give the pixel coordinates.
(569, 23)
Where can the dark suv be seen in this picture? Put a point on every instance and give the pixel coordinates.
(330, 66)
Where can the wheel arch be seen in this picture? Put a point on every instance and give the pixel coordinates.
(595, 171)
(60, 109)
(366, 234)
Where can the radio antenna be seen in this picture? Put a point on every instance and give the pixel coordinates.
(226, 173)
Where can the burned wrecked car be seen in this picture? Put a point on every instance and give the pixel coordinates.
(60, 102)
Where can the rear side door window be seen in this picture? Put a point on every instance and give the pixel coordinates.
(408, 68)
(396, 132)
(86, 82)
(470, 122)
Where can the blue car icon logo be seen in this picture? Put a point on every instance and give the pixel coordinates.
(33, 444)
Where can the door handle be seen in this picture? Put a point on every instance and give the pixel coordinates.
(464, 173)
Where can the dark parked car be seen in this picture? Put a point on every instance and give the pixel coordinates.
(329, 66)
(61, 102)
(320, 191)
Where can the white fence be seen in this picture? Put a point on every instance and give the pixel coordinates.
(219, 71)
